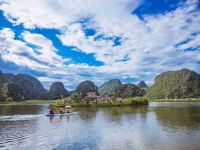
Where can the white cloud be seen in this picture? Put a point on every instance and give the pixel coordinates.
(42, 57)
(59, 13)
(45, 49)
(14, 50)
(149, 45)
(18, 52)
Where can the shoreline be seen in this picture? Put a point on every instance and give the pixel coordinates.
(101, 104)
(29, 102)
(176, 100)
(135, 101)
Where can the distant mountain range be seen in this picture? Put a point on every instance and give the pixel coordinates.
(29, 87)
(171, 84)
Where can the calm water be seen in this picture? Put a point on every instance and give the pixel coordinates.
(157, 126)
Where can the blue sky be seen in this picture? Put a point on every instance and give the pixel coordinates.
(99, 40)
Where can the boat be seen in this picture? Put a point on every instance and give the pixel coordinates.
(56, 114)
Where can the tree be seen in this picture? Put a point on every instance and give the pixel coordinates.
(13, 91)
(76, 97)
(2, 98)
(127, 90)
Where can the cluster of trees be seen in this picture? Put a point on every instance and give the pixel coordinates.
(82, 90)
(127, 90)
(11, 92)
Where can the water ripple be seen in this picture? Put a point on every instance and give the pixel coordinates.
(18, 117)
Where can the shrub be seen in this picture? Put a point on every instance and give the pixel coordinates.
(9, 99)
(87, 100)
(138, 101)
(76, 97)
(59, 103)
(114, 99)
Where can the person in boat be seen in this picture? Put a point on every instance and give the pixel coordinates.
(62, 110)
(68, 109)
(51, 110)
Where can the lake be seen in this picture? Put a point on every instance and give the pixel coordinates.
(157, 126)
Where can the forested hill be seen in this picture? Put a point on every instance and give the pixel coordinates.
(23, 83)
(108, 86)
(182, 83)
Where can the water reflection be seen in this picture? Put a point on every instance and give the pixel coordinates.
(111, 112)
(156, 126)
(176, 119)
(20, 109)
(53, 119)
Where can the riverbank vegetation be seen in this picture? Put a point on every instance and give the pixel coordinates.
(176, 100)
(60, 103)
(28, 102)
(107, 103)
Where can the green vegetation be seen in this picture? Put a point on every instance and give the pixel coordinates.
(75, 97)
(12, 92)
(28, 102)
(127, 90)
(108, 86)
(176, 100)
(57, 91)
(85, 87)
(181, 85)
(137, 100)
(175, 84)
(30, 86)
(23, 86)
(84, 103)
(142, 85)
(9, 99)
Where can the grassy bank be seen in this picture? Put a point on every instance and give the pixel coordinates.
(126, 102)
(176, 100)
(29, 102)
